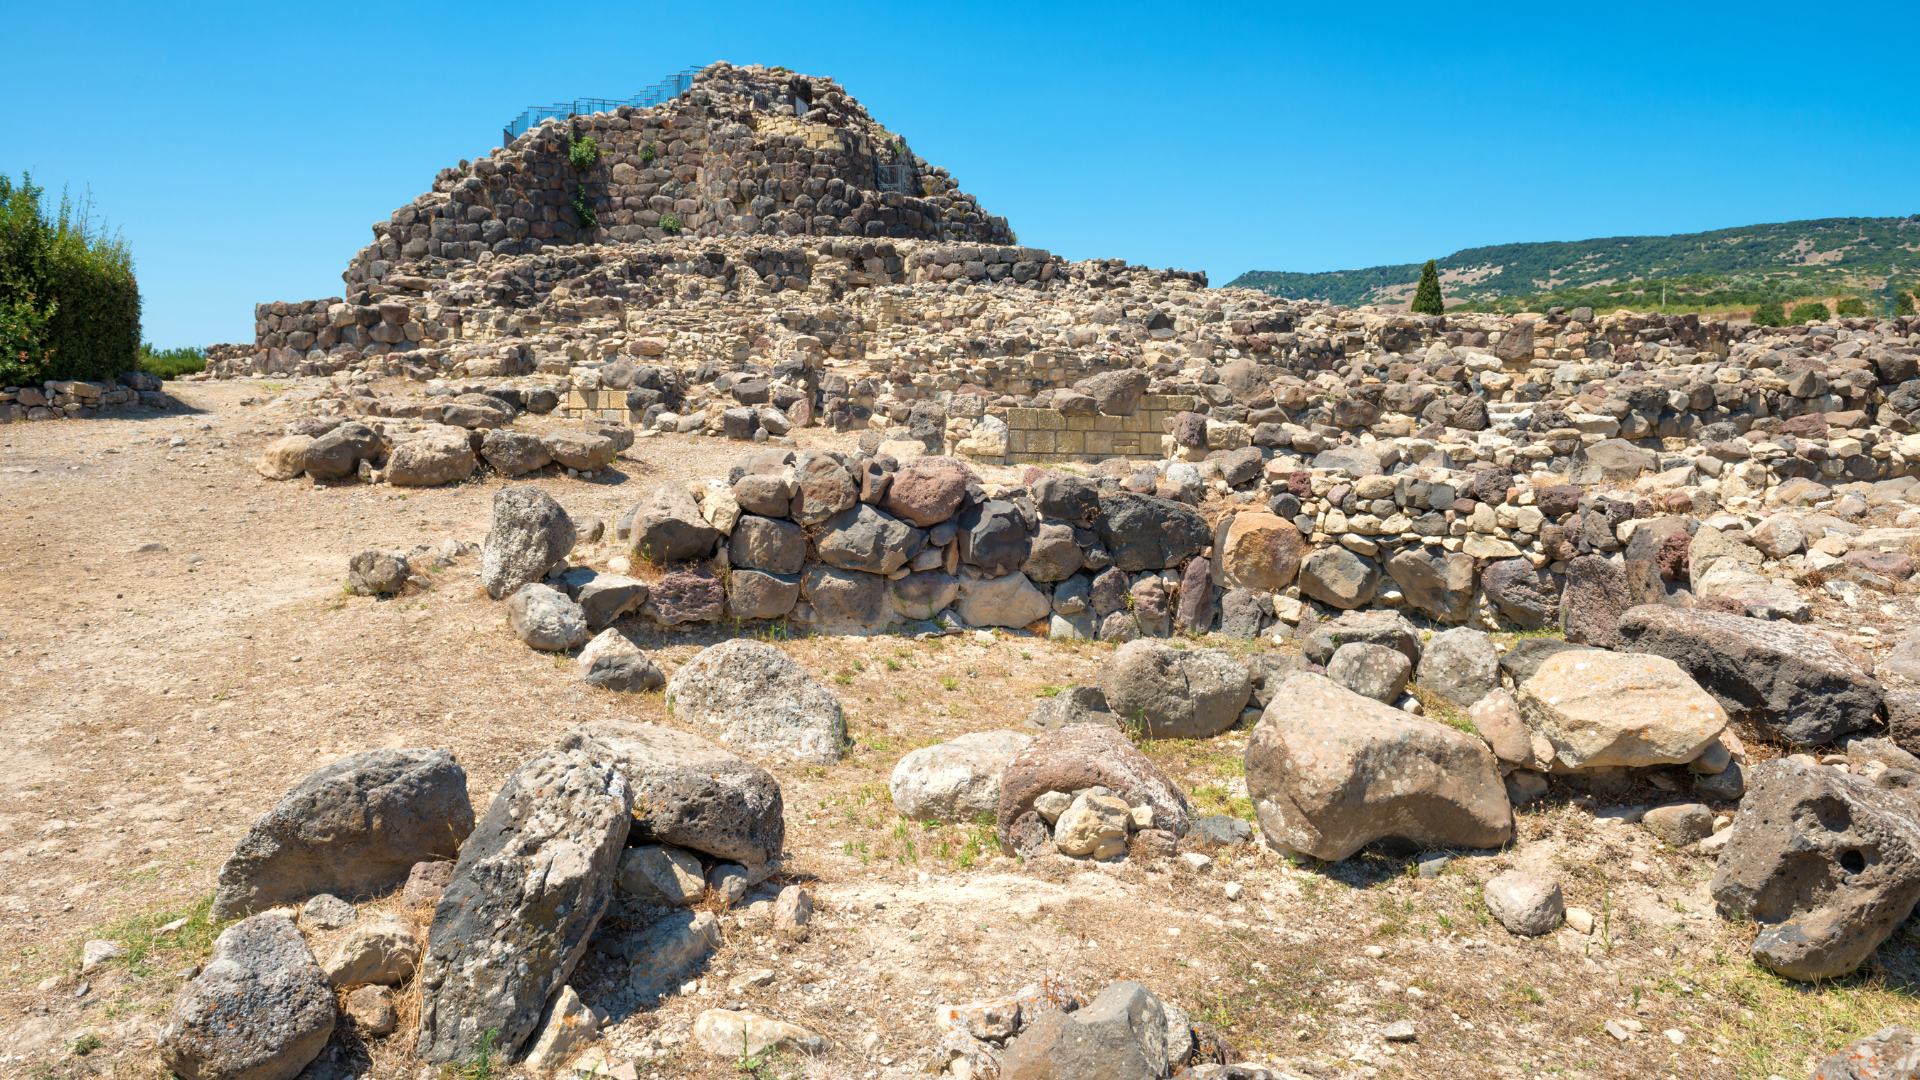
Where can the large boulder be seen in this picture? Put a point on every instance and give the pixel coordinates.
(354, 828)
(1010, 600)
(1373, 671)
(688, 595)
(754, 697)
(927, 491)
(527, 892)
(545, 619)
(845, 600)
(756, 594)
(1786, 678)
(1525, 596)
(1339, 578)
(1146, 533)
(995, 537)
(1120, 1035)
(260, 1009)
(689, 792)
(530, 536)
(1115, 393)
(1080, 756)
(1258, 550)
(436, 456)
(668, 527)
(825, 489)
(1169, 693)
(1826, 862)
(1330, 772)
(955, 781)
(514, 453)
(1596, 596)
(862, 538)
(1461, 665)
(769, 544)
(1388, 628)
(923, 595)
(1439, 583)
(337, 453)
(1603, 709)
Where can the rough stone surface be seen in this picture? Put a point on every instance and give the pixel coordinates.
(1081, 756)
(1892, 1053)
(1330, 772)
(1595, 598)
(1601, 709)
(527, 892)
(545, 619)
(1461, 665)
(689, 792)
(1787, 678)
(1827, 863)
(530, 536)
(612, 661)
(668, 527)
(955, 781)
(353, 828)
(1527, 904)
(260, 1010)
(1119, 1035)
(754, 697)
(1169, 693)
(1373, 671)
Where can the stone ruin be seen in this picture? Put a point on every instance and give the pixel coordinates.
(1675, 515)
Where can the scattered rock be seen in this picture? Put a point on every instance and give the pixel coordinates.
(955, 781)
(259, 1010)
(1169, 693)
(753, 696)
(1527, 904)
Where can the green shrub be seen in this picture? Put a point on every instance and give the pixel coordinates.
(1426, 296)
(69, 304)
(172, 363)
(647, 153)
(1811, 311)
(583, 153)
(669, 224)
(1770, 314)
(584, 209)
(1902, 302)
(1851, 307)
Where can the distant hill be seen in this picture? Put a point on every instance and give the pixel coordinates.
(1722, 270)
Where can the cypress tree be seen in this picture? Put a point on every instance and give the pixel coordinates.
(1426, 297)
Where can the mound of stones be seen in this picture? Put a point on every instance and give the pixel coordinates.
(621, 842)
(1125, 1032)
(65, 399)
(424, 453)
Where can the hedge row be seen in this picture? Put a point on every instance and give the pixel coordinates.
(69, 304)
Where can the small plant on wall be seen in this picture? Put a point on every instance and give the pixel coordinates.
(669, 224)
(647, 153)
(583, 153)
(584, 210)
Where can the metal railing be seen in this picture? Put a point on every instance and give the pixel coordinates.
(657, 94)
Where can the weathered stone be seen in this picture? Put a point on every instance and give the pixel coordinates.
(661, 875)
(826, 488)
(1526, 597)
(1679, 824)
(1595, 598)
(1527, 904)
(379, 950)
(527, 892)
(1120, 1035)
(1387, 628)
(846, 600)
(689, 792)
(1438, 583)
(1787, 678)
(755, 594)
(995, 537)
(514, 453)
(1892, 1053)
(1619, 710)
(862, 538)
(1827, 863)
(1373, 671)
(260, 1010)
(955, 781)
(927, 491)
(686, 596)
(1461, 665)
(1073, 705)
(355, 827)
(753, 696)
(1009, 600)
(378, 573)
(1168, 693)
(581, 451)
(923, 595)
(285, 457)
(735, 1036)
(1330, 772)
(668, 527)
(613, 661)
(545, 619)
(439, 455)
(769, 544)
(1080, 756)
(530, 536)
(1260, 551)
(1338, 577)
(1145, 533)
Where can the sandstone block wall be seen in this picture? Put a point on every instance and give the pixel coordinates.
(1048, 435)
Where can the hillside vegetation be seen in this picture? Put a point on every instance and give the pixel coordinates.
(1724, 270)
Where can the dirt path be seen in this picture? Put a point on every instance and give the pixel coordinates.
(177, 651)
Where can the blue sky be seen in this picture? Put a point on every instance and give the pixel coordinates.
(244, 150)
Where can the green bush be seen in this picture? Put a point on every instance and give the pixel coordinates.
(1426, 296)
(584, 209)
(583, 153)
(69, 304)
(1902, 302)
(172, 363)
(1851, 307)
(1770, 314)
(669, 224)
(1811, 311)
(647, 153)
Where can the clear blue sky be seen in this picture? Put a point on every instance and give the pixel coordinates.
(245, 149)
